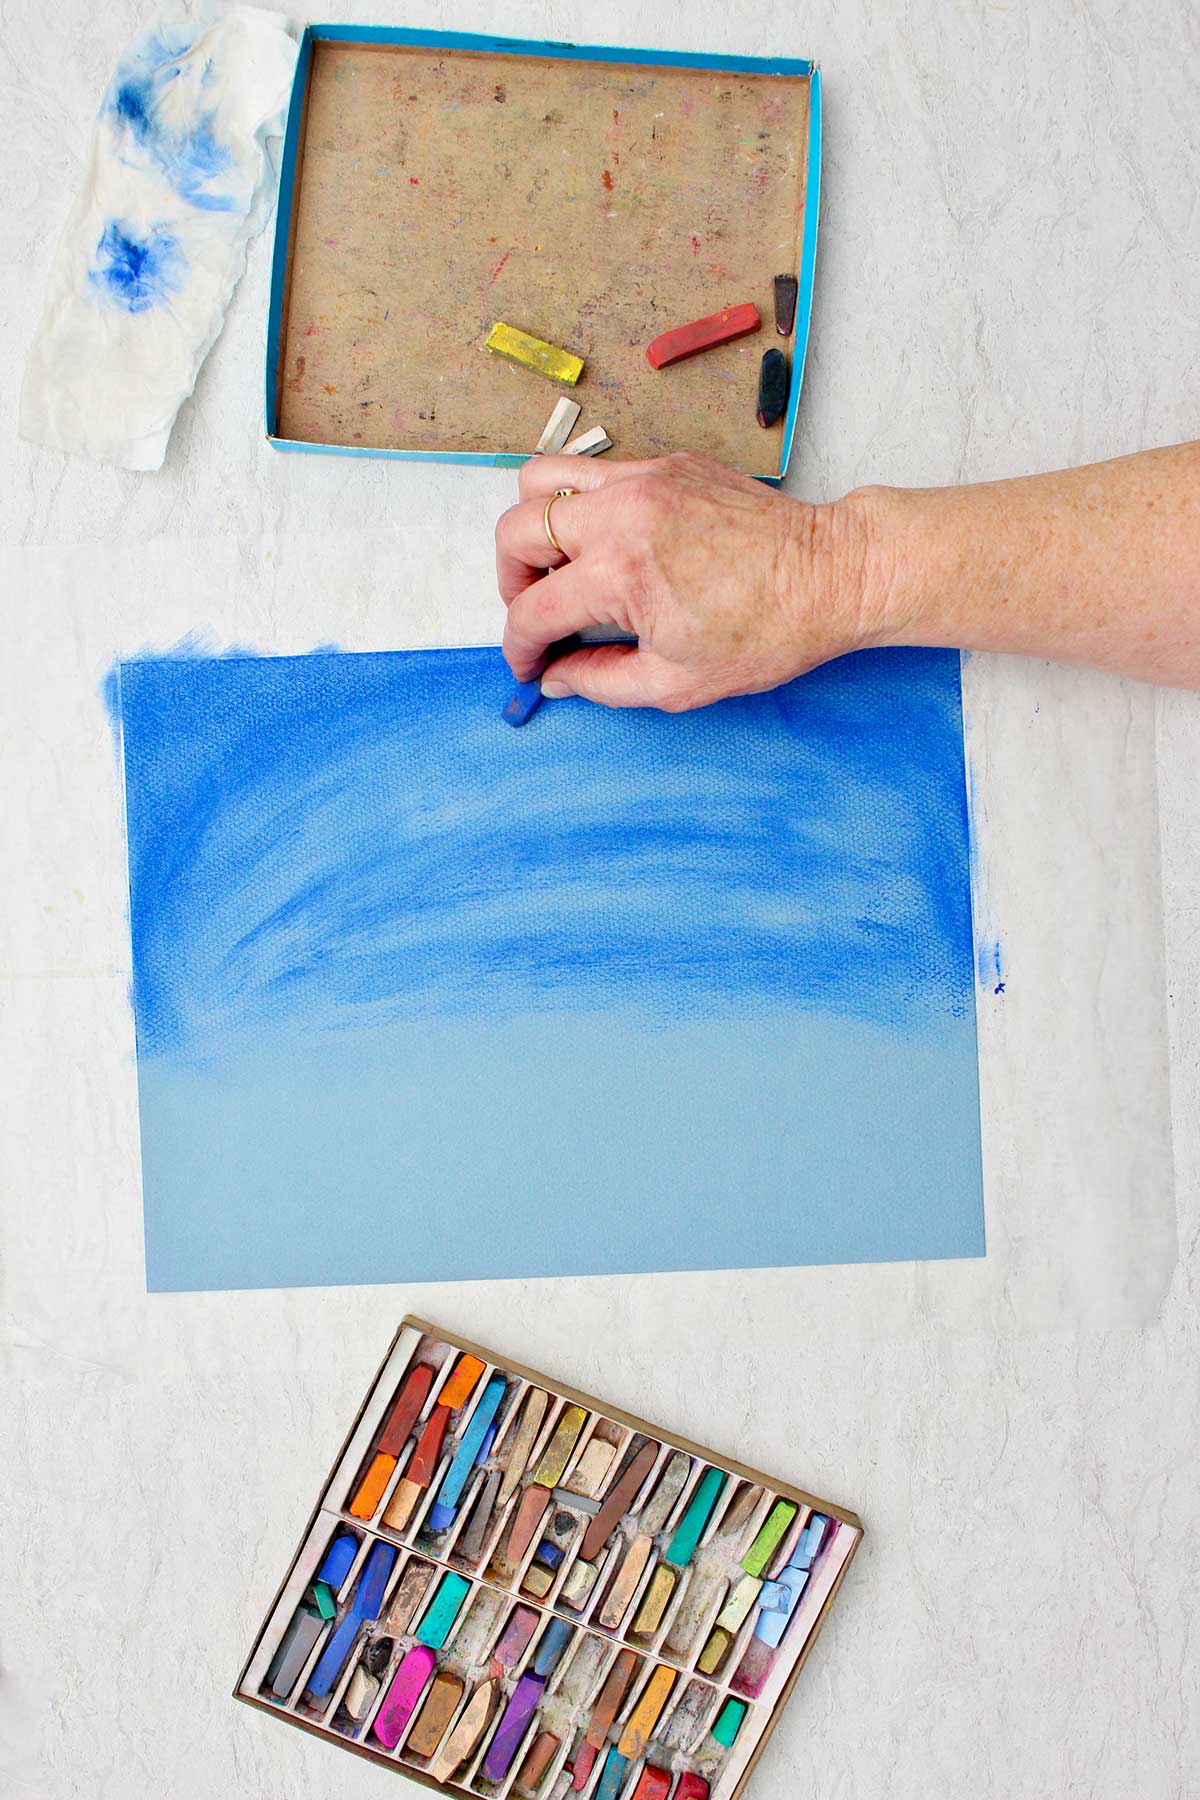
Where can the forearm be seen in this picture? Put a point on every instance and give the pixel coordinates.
(1099, 565)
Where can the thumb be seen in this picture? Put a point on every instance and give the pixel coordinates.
(612, 674)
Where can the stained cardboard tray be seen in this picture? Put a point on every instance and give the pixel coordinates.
(435, 182)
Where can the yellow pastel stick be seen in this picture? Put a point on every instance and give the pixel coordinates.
(639, 1728)
(533, 353)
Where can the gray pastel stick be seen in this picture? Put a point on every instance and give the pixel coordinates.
(657, 1509)
(293, 1652)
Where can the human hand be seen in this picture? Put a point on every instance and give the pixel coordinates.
(730, 586)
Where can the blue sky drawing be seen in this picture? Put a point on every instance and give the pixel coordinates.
(374, 929)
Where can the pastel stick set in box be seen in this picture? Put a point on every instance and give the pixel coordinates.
(510, 1588)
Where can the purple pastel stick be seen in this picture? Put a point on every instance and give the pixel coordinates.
(512, 1727)
(408, 1684)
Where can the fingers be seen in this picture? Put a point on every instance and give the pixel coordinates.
(562, 602)
(524, 551)
(612, 674)
(542, 474)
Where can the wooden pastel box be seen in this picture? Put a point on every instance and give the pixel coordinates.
(511, 1588)
(435, 183)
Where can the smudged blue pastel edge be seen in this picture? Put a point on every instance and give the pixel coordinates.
(465, 40)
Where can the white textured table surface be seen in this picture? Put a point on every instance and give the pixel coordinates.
(1008, 280)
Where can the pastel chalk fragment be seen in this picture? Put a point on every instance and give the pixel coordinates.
(588, 1475)
(540, 1755)
(691, 1786)
(360, 1693)
(771, 1625)
(551, 1647)
(683, 1726)
(465, 1738)
(772, 388)
(736, 1610)
(364, 1605)
(639, 1727)
(811, 1541)
(470, 1545)
(514, 1640)
(652, 1784)
(522, 703)
(715, 1650)
(410, 1591)
(557, 1454)
(461, 1383)
(420, 1472)
(404, 1413)
(559, 427)
(698, 1600)
(770, 1536)
(537, 1581)
(775, 1596)
(611, 1775)
(668, 1488)
(787, 289)
(584, 1503)
(378, 1654)
(438, 1619)
(549, 1553)
(475, 1630)
(514, 1723)
(737, 1514)
(445, 1507)
(617, 1501)
(589, 443)
(339, 1560)
(577, 1586)
(437, 1709)
(729, 1722)
(611, 1696)
(295, 1647)
(534, 353)
(533, 1408)
(690, 1529)
(408, 1684)
(754, 1668)
(529, 1514)
(654, 1602)
(630, 1572)
(371, 1488)
(323, 1595)
(702, 334)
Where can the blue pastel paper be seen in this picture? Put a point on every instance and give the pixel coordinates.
(419, 997)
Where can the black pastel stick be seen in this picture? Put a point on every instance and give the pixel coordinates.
(772, 387)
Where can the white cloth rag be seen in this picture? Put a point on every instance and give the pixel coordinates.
(178, 182)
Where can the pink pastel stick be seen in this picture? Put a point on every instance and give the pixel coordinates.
(408, 1684)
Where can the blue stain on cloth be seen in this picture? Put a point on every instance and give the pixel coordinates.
(137, 273)
(728, 952)
(184, 149)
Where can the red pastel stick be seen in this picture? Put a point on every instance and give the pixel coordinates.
(703, 334)
(409, 1402)
(424, 1460)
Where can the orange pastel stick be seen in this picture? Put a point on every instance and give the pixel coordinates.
(466, 1373)
(370, 1488)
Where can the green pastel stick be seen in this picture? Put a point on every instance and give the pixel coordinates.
(326, 1604)
(442, 1611)
(770, 1537)
(690, 1529)
(729, 1721)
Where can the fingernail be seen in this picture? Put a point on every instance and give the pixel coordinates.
(554, 690)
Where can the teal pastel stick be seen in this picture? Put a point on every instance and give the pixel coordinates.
(442, 1611)
(729, 1721)
(454, 1480)
(609, 1785)
(691, 1527)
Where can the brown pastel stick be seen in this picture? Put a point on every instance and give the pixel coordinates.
(440, 1706)
(529, 1515)
(608, 1705)
(541, 1754)
(618, 1501)
(616, 1601)
(533, 1411)
(464, 1739)
(467, 1371)
(403, 1416)
(406, 1599)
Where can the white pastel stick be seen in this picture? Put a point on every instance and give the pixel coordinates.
(589, 443)
(559, 427)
